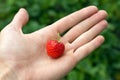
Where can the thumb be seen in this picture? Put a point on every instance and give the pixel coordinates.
(20, 19)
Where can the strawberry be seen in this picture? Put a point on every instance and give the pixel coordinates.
(54, 48)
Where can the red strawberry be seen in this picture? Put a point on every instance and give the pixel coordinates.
(54, 48)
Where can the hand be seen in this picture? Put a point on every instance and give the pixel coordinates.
(25, 54)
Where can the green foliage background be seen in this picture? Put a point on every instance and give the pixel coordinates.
(103, 63)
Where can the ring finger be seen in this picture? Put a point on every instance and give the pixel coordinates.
(89, 35)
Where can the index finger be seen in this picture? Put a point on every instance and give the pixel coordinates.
(69, 21)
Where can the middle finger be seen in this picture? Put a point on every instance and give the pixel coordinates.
(83, 26)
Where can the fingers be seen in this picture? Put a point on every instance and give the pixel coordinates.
(89, 35)
(69, 21)
(86, 49)
(83, 26)
(20, 19)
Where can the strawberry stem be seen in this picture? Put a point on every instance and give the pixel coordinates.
(58, 39)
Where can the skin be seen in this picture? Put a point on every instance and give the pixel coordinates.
(24, 57)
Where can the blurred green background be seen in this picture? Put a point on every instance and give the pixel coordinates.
(103, 63)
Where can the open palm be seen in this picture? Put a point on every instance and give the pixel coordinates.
(26, 53)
